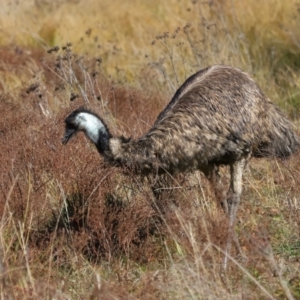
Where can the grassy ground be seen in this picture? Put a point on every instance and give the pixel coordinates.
(73, 227)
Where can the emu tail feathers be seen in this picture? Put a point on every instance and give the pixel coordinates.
(279, 138)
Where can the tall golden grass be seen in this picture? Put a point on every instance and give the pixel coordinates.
(72, 227)
(256, 36)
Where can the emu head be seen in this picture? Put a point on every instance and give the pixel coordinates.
(89, 123)
(72, 127)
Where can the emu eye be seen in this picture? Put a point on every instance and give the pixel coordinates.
(69, 133)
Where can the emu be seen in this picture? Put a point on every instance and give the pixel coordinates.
(219, 116)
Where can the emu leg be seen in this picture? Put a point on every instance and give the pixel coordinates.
(235, 190)
(214, 177)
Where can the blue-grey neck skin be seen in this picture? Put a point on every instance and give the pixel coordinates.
(94, 128)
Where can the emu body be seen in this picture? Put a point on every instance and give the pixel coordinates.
(219, 116)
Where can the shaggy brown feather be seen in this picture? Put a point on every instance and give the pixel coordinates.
(218, 116)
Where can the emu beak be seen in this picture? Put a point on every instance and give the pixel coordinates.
(70, 132)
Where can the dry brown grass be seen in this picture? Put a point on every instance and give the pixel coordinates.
(73, 227)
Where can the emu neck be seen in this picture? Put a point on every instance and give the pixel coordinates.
(95, 130)
(133, 154)
(103, 140)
